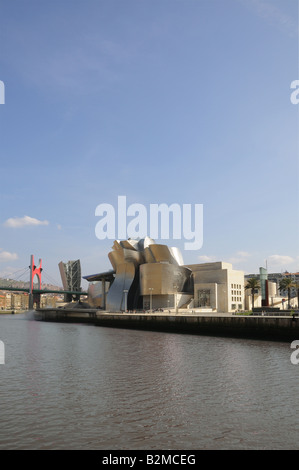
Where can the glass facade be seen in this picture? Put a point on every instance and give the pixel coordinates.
(204, 298)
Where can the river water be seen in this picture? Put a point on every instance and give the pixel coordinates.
(73, 386)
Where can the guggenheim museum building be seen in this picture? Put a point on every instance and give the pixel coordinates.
(147, 276)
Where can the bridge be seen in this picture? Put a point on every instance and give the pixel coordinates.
(34, 294)
(42, 291)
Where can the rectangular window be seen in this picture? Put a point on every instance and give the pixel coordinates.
(204, 298)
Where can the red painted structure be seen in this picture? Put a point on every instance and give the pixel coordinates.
(35, 271)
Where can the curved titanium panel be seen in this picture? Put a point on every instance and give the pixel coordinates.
(145, 243)
(129, 244)
(116, 298)
(116, 245)
(142, 267)
(133, 256)
(116, 257)
(148, 256)
(159, 278)
(162, 253)
(183, 300)
(177, 255)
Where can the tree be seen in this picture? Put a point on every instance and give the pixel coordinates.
(286, 284)
(253, 284)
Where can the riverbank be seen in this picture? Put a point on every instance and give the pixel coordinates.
(273, 328)
(11, 312)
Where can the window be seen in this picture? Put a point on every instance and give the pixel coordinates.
(204, 298)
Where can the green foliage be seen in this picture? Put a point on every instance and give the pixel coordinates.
(253, 283)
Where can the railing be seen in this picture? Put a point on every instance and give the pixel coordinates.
(42, 291)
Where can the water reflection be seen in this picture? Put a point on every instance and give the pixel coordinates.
(70, 386)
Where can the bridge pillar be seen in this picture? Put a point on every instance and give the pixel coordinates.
(34, 271)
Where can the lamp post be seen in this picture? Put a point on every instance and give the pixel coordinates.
(176, 299)
(125, 292)
(151, 298)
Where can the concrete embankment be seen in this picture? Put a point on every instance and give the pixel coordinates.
(243, 326)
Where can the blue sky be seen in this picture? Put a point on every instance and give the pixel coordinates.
(163, 101)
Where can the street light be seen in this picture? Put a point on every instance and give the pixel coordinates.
(176, 298)
(151, 298)
(125, 292)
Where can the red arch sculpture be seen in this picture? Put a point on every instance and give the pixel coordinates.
(35, 271)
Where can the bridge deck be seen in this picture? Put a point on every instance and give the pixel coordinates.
(42, 291)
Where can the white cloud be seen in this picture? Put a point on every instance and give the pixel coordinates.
(243, 254)
(6, 256)
(239, 257)
(249, 262)
(206, 259)
(280, 260)
(17, 222)
(274, 15)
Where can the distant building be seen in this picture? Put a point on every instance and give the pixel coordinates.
(2, 301)
(49, 300)
(15, 301)
(276, 297)
(70, 273)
